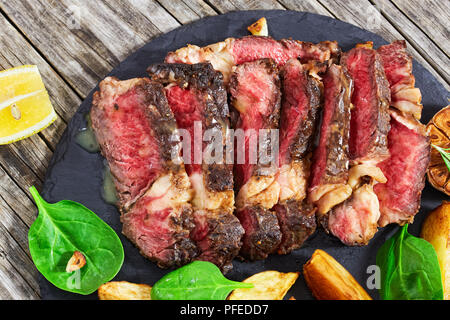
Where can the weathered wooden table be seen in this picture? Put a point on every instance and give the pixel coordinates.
(76, 43)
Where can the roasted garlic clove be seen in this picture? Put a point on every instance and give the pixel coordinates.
(332, 198)
(259, 28)
(357, 172)
(76, 262)
(438, 129)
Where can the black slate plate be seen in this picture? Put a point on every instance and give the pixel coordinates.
(77, 175)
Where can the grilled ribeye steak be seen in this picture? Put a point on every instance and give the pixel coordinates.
(255, 95)
(230, 52)
(198, 99)
(299, 112)
(397, 65)
(329, 173)
(369, 123)
(405, 169)
(133, 125)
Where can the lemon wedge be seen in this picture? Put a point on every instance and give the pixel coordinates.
(25, 107)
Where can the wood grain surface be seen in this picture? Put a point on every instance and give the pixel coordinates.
(76, 43)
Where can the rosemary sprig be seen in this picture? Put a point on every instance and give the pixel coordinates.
(445, 154)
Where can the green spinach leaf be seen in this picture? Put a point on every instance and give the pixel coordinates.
(409, 269)
(65, 227)
(198, 280)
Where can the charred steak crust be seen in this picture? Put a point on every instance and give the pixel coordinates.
(369, 123)
(262, 235)
(301, 144)
(217, 231)
(218, 178)
(297, 222)
(181, 249)
(335, 130)
(162, 122)
(208, 84)
(222, 241)
(337, 145)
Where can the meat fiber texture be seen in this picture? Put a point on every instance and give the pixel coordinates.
(329, 172)
(198, 100)
(230, 52)
(398, 68)
(369, 123)
(301, 103)
(255, 95)
(405, 169)
(355, 221)
(408, 144)
(133, 125)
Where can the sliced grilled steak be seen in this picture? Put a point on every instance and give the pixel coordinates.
(198, 99)
(369, 123)
(409, 148)
(123, 132)
(230, 52)
(398, 68)
(297, 222)
(328, 182)
(255, 94)
(300, 105)
(133, 125)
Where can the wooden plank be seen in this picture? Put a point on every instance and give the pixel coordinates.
(365, 15)
(17, 51)
(83, 41)
(226, 6)
(416, 37)
(19, 201)
(49, 30)
(187, 11)
(12, 285)
(25, 273)
(432, 16)
(306, 5)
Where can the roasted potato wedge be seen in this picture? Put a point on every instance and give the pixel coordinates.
(268, 285)
(259, 28)
(123, 290)
(436, 230)
(329, 280)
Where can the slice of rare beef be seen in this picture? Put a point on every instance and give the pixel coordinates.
(230, 52)
(133, 125)
(369, 123)
(329, 173)
(255, 95)
(198, 99)
(299, 112)
(398, 68)
(405, 169)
